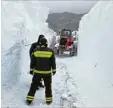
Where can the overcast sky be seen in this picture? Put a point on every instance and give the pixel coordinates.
(70, 6)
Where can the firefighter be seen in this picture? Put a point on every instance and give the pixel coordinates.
(33, 47)
(43, 66)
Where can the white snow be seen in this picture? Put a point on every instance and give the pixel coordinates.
(83, 81)
(96, 51)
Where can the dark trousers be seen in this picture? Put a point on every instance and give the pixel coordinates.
(36, 81)
(39, 84)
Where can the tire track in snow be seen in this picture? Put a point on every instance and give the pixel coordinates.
(66, 98)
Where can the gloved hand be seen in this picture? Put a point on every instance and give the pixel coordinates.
(54, 73)
(31, 72)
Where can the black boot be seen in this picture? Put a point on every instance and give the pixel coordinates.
(49, 102)
(28, 102)
(41, 85)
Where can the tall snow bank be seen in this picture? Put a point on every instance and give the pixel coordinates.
(96, 50)
(22, 22)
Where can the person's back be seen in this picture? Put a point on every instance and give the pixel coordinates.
(44, 60)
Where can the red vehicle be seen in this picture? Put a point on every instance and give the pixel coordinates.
(66, 42)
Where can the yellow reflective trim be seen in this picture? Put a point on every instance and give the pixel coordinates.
(49, 98)
(31, 69)
(42, 46)
(54, 70)
(46, 54)
(42, 72)
(30, 97)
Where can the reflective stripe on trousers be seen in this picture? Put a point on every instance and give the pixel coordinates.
(48, 99)
(30, 98)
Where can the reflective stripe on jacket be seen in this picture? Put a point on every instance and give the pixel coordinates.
(43, 72)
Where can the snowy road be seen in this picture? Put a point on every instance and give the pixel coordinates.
(71, 86)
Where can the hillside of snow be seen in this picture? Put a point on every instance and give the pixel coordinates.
(22, 22)
(95, 52)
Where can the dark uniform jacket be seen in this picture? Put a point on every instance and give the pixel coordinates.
(43, 61)
(33, 47)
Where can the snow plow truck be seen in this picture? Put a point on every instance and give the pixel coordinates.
(66, 43)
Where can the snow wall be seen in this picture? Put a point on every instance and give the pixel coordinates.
(22, 22)
(96, 51)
